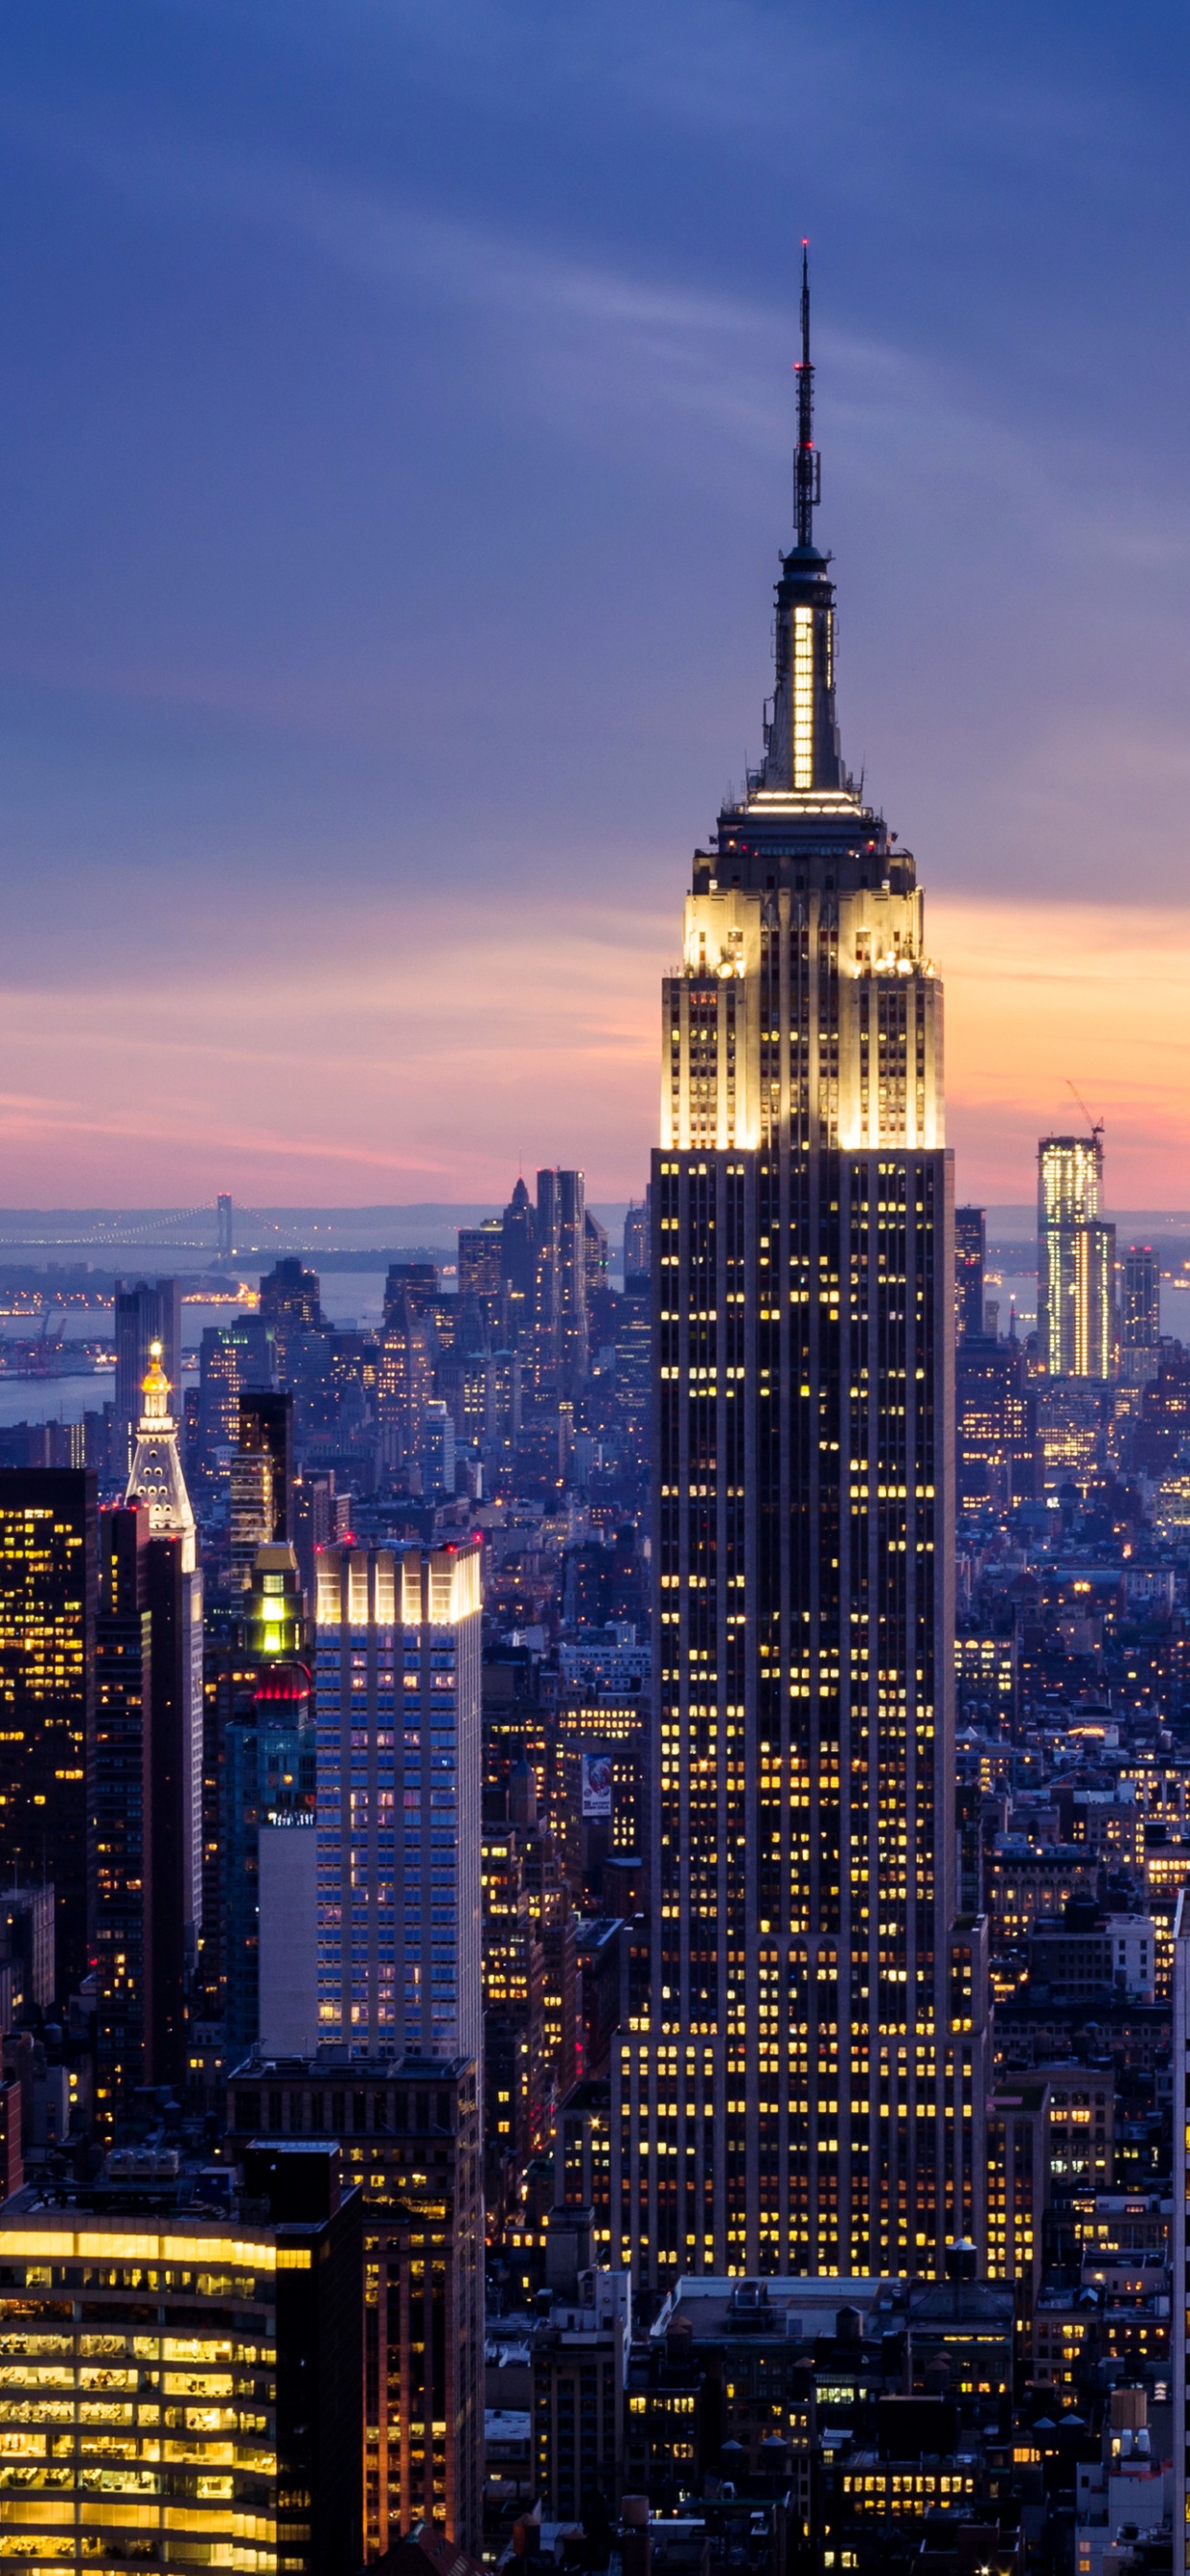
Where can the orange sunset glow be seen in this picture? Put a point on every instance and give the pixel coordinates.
(455, 1047)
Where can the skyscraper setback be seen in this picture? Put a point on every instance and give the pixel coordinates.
(808, 2093)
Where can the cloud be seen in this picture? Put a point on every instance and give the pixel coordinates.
(612, 342)
(392, 498)
(604, 338)
(421, 1049)
(479, 1042)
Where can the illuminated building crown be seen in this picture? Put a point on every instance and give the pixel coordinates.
(156, 1480)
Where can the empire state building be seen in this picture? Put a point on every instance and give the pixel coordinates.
(807, 2094)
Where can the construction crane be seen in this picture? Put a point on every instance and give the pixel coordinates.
(1095, 1124)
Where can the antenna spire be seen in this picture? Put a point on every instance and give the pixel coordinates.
(807, 469)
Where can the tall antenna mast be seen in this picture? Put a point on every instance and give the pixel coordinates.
(807, 467)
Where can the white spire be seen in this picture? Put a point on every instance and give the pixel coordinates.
(156, 1477)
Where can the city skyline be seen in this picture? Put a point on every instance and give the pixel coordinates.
(360, 441)
(594, 1498)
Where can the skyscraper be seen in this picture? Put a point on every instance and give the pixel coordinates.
(268, 1777)
(560, 1282)
(400, 1999)
(399, 1772)
(1180, 2247)
(1140, 1315)
(634, 1346)
(258, 2313)
(1076, 1256)
(410, 2140)
(481, 1250)
(266, 1429)
(141, 1917)
(637, 1229)
(251, 1489)
(411, 1287)
(808, 2093)
(437, 1448)
(119, 1806)
(970, 1253)
(404, 1381)
(173, 1598)
(290, 1301)
(996, 1424)
(144, 1314)
(261, 1479)
(595, 1249)
(48, 1522)
(231, 1358)
(518, 1254)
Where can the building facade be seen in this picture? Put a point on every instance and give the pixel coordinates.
(399, 1778)
(198, 2379)
(1179, 2304)
(560, 1322)
(119, 1805)
(807, 2095)
(268, 1774)
(481, 1262)
(1076, 1256)
(290, 1302)
(996, 1424)
(231, 1358)
(173, 1889)
(970, 1259)
(48, 1582)
(149, 1312)
(404, 1382)
(408, 2133)
(266, 1430)
(1140, 1315)
(518, 1256)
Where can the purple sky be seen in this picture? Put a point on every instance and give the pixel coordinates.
(394, 420)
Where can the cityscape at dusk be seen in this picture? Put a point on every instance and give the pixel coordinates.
(594, 1290)
(397, 419)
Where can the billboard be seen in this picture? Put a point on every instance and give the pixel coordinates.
(597, 1784)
